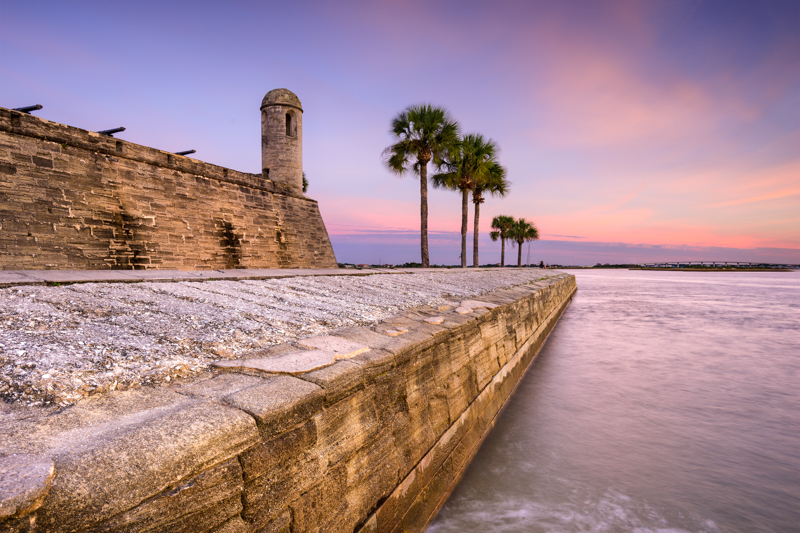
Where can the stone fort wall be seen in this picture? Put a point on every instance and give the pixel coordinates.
(75, 199)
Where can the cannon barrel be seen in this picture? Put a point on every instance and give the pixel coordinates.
(187, 152)
(111, 132)
(28, 109)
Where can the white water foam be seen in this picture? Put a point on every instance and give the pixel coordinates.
(609, 513)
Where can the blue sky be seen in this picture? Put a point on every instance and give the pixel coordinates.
(631, 131)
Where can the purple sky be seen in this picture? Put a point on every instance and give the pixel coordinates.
(631, 131)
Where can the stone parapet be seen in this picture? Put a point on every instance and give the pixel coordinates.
(71, 198)
(373, 439)
(34, 127)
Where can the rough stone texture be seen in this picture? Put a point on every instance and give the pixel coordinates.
(234, 525)
(296, 362)
(373, 443)
(24, 482)
(198, 504)
(279, 403)
(341, 348)
(282, 138)
(60, 344)
(71, 198)
(113, 453)
(476, 304)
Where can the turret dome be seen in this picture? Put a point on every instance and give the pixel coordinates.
(281, 97)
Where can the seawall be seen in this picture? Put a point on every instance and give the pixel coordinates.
(367, 430)
(76, 199)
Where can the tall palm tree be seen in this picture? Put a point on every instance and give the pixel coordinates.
(424, 133)
(521, 232)
(470, 160)
(495, 184)
(502, 224)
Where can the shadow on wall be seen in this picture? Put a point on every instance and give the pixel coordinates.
(230, 243)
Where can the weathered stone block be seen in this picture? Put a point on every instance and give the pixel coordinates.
(430, 499)
(280, 524)
(414, 437)
(266, 456)
(264, 498)
(320, 502)
(345, 427)
(296, 362)
(151, 440)
(220, 386)
(234, 525)
(278, 404)
(199, 504)
(341, 348)
(370, 526)
(338, 380)
(372, 474)
(24, 482)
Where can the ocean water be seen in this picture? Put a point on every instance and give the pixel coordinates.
(662, 402)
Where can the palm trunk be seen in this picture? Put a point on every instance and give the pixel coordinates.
(464, 224)
(502, 251)
(475, 261)
(519, 255)
(423, 214)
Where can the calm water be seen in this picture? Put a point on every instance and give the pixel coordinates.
(662, 402)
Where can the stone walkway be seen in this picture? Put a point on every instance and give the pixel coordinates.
(10, 278)
(99, 332)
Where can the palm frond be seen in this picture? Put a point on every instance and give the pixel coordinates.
(523, 231)
(423, 133)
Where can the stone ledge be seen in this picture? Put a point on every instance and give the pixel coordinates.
(146, 440)
(432, 480)
(320, 435)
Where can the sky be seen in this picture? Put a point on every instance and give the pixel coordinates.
(631, 131)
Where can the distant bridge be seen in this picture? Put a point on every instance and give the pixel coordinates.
(716, 264)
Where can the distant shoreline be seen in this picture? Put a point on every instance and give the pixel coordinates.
(717, 269)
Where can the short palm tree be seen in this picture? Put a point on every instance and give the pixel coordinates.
(495, 184)
(521, 232)
(424, 133)
(502, 226)
(472, 159)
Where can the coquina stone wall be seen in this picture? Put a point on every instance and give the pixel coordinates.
(374, 442)
(75, 199)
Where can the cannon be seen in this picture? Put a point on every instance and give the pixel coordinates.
(111, 132)
(28, 109)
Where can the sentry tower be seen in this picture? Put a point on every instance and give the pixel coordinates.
(282, 138)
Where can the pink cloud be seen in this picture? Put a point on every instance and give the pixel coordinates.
(763, 185)
(596, 98)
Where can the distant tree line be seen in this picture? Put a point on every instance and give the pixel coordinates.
(465, 164)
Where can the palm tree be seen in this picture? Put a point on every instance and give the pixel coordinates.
(521, 232)
(423, 133)
(502, 224)
(470, 160)
(493, 183)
